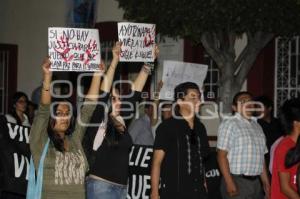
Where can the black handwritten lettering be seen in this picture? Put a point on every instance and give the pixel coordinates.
(52, 34)
(142, 54)
(126, 54)
(134, 30)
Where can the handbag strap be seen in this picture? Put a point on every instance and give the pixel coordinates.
(34, 187)
(39, 179)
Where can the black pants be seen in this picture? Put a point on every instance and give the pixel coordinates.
(171, 194)
(10, 195)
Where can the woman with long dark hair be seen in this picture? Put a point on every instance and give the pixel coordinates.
(17, 113)
(286, 156)
(54, 126)
(108, 145)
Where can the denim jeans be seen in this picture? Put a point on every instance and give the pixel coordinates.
(98, 189)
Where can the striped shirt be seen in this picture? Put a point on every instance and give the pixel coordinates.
(245, 143)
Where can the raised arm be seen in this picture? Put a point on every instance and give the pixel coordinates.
(141, 79)
(87, 110)
(38, 133)
(109, 76)
(47, 78)
(93, 91)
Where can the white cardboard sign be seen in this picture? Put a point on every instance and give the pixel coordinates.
(74, 49)
(175, 72)
(138, 42)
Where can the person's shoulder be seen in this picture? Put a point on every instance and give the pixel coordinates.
(285, 143)
(136, 123)
(229, 121)
(166, 124)
(169, 122)
(10, 118)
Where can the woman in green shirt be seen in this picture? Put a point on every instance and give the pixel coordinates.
(65, 163)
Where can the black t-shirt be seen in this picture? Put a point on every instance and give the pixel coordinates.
(182, 169)
(110, 161)
(272, 131)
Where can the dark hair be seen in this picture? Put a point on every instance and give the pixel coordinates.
(293, 155)
(181, 89)
(57, 141)
(238, 95)
(266, 101)
(34, 105)
(15, 99)
(148, 104)
(289, 112)
(112, 135)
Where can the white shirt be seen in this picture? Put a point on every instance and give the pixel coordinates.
(11, 119)
(245, 143)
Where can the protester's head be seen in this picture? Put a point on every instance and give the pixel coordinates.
(20, 101)
(166, 111)
(290, 115)
(188, 97)
(242, 103)
(267, 109)
(31, 108)
(61, 122)
(149, 108)
(19, 106)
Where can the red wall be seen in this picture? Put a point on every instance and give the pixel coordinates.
(261, 76)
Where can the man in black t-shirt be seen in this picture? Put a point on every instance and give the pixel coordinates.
(270, 125)
(180, 146)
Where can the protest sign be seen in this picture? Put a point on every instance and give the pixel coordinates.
(138, 42)
(14, 156)
(74, 49)
(175, 72)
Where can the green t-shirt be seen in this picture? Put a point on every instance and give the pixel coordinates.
(64, 173)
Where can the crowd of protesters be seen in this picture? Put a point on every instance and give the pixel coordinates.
(70, 159)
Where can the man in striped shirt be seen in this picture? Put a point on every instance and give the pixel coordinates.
(241, 147)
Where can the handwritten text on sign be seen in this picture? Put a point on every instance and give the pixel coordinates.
(74, 49)
(138, 42)
(175, 72)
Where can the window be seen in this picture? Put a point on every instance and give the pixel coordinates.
(211, 86)
(287, 71)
